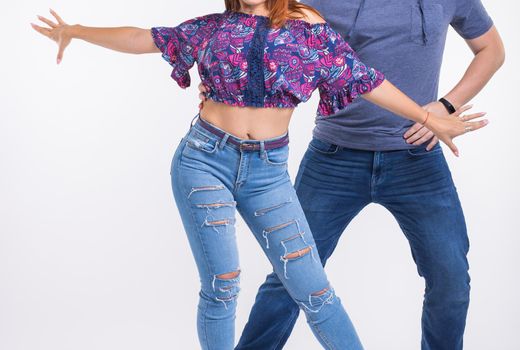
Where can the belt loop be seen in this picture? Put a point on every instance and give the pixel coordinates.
(223, 141)
(262, 149)
(191, 123)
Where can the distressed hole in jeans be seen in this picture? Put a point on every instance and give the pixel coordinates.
(321, 292)
(223, 222)
(217, 205)
(294, 256)
(226, 287)
(215, 224)
(205, 188)
(270, 230)
(319, 300)
(264, 211)
(298, 254)
(229, 275)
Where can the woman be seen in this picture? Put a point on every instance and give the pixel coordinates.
(258, 59)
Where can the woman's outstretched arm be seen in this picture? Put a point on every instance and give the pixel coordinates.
(445, 128)
(124, 39)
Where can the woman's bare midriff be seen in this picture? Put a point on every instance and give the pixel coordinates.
(248, 122)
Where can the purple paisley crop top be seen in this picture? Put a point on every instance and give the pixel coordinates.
(244, 62)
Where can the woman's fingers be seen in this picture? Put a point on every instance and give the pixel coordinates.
(472, 126)
(58, 18)
(41, 30)
(202, 93)
(453, 148)
(47, 22)
(202, 88)
(61, 50)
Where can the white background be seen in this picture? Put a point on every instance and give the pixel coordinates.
(92, 252)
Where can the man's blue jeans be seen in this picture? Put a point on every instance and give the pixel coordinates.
(334, 184)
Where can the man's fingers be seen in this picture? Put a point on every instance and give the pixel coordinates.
(416, 127)
(462, 109)
(41, 30)
(423, 131)
(58, 18)
(472, 116)
(426, 137)
(47, 22)
(432, 143)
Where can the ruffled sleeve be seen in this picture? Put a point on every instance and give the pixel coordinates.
(343, 76)
(180, 45)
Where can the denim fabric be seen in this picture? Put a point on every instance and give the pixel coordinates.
(212, 177)
(333, 185)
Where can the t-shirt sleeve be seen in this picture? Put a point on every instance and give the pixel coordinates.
(180, 45)
(471, 19)
(344, 76)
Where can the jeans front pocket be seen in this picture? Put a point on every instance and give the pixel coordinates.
(422, 152)
(277, 156)
(322, 147)
(198, 141)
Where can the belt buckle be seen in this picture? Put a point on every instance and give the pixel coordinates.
(247, 146)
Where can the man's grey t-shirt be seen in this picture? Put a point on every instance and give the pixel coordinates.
(405, 40)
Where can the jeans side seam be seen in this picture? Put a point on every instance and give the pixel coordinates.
(322, 336)
(205, 324)
(199, 233)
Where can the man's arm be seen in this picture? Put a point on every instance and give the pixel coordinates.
(489, 57)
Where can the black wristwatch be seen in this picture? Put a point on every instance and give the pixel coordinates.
(449, 107)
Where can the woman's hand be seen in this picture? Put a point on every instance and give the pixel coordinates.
(446, 128)
(202, 95)
(58, 32)
(419, 134)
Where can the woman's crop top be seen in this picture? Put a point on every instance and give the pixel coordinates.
(244, 62)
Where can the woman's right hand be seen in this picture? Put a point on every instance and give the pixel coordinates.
(58, 32)
(446, 128)
(202, 95)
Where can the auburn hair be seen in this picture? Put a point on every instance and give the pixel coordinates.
(279, 10)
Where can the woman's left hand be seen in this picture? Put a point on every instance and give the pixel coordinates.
(446, 128)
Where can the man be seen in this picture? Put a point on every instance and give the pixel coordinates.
(368, 155)
(405, 39)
